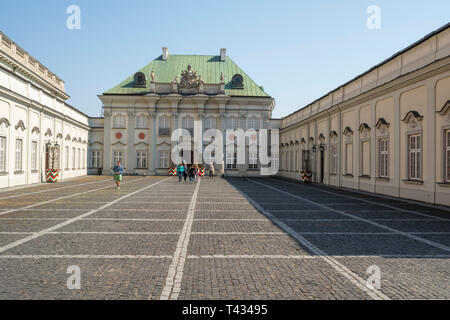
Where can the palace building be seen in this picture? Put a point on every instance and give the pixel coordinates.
(38, 129)
(172, 92)
(386, 131)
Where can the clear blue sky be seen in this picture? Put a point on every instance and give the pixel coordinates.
(297, 50)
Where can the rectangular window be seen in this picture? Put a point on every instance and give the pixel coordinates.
(19, 145)
(231, 160)
(141, 159)
(2, 154)
(447, 155)
(365, 158)
(253, 160)
(74, 160)
(117, 156)
(275, 161)
(67, 158)
(34, 155)
(79, 158)
(333, 159)
(163, 159)
(349, 158)
(83, 161)
(231, 123)
(210, 123)
(118, 121)
(253, 124)
(383, 158)
(93, 159)
(415, 157)
(141, 122)
(96, 159)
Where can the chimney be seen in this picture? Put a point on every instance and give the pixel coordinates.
(223, 54)
(165, 53)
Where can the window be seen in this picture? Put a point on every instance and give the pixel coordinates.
(19, 144)
(253, 160)
(188, 122)
(349, 159)
(447, 155)
(365, 158)
(415, 157)
(163, 159)
(141, 159)
(34, 156)
(253, 124)
(83, 161)
(118, 121)
(96, 159)
(210, 123)
(383, 158)
(67, 158)
(275, 161)
(231, 160)
(79, 158)
(117, 156)
(74, 155)
(2, 154)
(231, 123)
(334, 159)
(164, 126)
(141, 122)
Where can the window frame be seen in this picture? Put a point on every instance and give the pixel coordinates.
(18, 155)
(3, 153)
(417, 152)
(383, 158)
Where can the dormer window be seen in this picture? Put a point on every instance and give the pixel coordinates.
(139, 80)
(237, 82)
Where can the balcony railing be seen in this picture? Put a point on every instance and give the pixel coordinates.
(164, 131)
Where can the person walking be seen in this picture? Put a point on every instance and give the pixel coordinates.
(118, 172)
(211, 170)
(180, 170)
(197, 171)
(185, 172)
(191, 174)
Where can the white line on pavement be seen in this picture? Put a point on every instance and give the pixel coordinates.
(83, 257)
(231, 233)
(377, 203)
(84, 215)
(56, 189)
(381, 256)
(175, 273)
(408, 235)
(59, 198)
(339, 267)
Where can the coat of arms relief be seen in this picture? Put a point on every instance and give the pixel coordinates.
(190, 79)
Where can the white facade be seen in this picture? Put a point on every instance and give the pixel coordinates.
(386, 131)
(33, 114)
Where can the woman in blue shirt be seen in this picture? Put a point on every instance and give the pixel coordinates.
(180, 171)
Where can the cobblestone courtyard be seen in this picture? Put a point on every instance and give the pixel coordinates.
(219, 239)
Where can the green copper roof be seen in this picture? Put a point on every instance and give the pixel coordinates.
(209, 67)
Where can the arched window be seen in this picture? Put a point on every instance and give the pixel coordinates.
(188, 122)
(164, 126)
(118, 121)
(210, 123)
(141, 122)
(253, 123)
